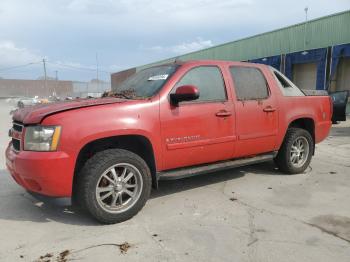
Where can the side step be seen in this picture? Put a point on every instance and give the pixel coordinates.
(213, 167)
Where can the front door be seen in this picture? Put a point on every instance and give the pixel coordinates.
(199, 131)
(256, 112)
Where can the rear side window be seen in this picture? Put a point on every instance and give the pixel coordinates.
(286, 86)
(208, 80)
(250, 84)
(283, 82)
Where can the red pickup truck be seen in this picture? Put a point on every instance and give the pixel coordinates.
(166, 122)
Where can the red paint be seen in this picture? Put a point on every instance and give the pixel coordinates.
(190, 134)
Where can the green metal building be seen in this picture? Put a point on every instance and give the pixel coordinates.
(314, 54)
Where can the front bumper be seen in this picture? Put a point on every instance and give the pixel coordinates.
(47, 173)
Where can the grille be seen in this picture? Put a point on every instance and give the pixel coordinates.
(17, 127)
(16, 134)
(16, 144)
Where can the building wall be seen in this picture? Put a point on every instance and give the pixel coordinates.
(30, 88)
(84, 89)
(319, 33)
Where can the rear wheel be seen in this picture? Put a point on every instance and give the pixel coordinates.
(114, 185)
(296, 151)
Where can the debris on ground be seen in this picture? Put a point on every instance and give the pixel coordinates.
(45, 258)
(233, 198)
(124, 247)
(62, 257)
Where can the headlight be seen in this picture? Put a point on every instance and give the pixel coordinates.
(41, 138)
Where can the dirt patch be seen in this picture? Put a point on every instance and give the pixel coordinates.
(62, 257)
(338, 226)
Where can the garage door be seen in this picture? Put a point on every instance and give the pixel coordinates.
(343, 75)
(304, 75)
(343, 78)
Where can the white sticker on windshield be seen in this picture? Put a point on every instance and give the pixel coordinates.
(158, 77)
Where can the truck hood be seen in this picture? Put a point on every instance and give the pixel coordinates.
(35, 114)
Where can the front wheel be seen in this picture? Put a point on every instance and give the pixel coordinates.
(296, 151)
(114, 185)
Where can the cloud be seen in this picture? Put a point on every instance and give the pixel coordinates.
(183, 48)
(136, 32)
(94, 7)
(12, 55)
(191, 46)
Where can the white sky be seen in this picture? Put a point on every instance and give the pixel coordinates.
(128, 33)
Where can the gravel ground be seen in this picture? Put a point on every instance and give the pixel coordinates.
(253, 213)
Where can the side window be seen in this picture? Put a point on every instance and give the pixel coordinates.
(250, 83)
(282, 81)
(208, 80)
(286, 86)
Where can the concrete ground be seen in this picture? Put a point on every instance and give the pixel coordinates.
(253, 213)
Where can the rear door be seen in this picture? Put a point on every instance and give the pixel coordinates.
(199, 131)
(340, 100)
(256, 111)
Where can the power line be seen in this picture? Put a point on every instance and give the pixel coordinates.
(18, 66)
(77, 67)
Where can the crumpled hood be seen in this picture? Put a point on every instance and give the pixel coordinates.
(35, 114)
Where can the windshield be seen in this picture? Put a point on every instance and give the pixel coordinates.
(145, 83)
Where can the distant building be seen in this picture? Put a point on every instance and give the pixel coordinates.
(60, 88)
(94, 88)
(31, 88)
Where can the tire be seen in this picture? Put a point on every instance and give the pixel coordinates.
(290, 158)
(95, 182)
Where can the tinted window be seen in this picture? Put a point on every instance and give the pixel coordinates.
(209, 81)
(250, 84)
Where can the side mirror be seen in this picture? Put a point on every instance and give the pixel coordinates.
(184, 93)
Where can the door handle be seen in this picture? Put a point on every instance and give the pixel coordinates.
(269, 109)
(223, 113)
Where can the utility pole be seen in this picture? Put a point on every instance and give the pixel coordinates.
(306, 9)
(45, 75)
(56, 84)
(96, 67)
(98, 82)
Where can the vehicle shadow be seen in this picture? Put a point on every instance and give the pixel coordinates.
(340, 130)
(20, 205)
(168, 187)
